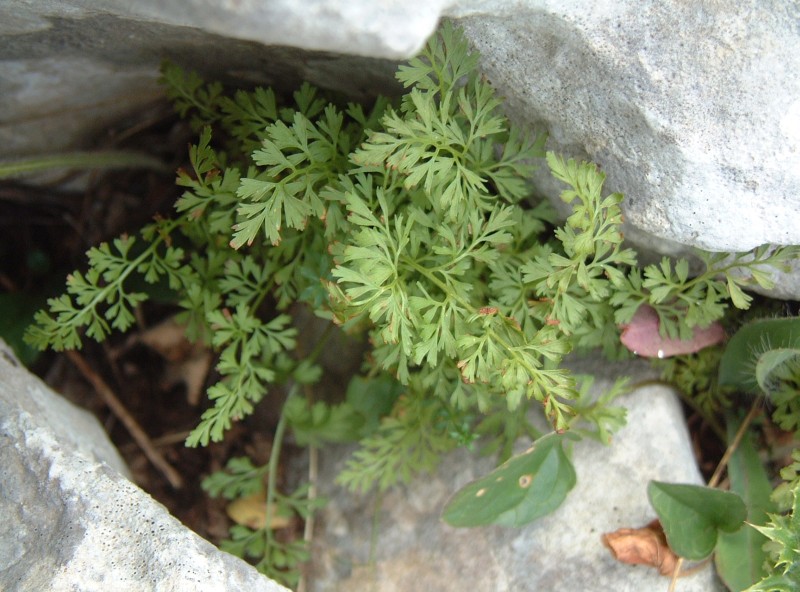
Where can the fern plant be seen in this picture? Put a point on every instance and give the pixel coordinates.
(410, 223)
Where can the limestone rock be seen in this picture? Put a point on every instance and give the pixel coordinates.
(390, 28)
(692, 109)
(69, 70)
(415, 550)
(72, 521)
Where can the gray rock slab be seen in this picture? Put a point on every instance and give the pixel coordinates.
(692, 109)
(390, 28)
(73, 522)
(415, 550)
(70, 70)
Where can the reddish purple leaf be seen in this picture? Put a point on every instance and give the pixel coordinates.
(641, 336)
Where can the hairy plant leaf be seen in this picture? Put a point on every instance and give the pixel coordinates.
(520, 490)
(693, 515)
(749, 360)
(769, 363)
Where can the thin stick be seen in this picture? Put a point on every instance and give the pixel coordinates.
(676, 573)
(737, 439)
(161, 441)
(134, 429)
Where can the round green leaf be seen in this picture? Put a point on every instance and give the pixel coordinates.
(520, 490)
(692, 515)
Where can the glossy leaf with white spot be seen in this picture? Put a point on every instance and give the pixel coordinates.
(525, 487)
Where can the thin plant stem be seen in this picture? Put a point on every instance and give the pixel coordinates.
(676, 573)
(308, 529)
(737, 439)
(275, 453)
(272, 474)
(373, 537)
(133, 427)
(103, 159)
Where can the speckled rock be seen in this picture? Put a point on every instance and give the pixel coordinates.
(73, 522)
(692, 109)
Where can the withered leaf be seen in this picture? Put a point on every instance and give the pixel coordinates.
(641, 336)
(251, 511)
(646, 546)
(187, 362)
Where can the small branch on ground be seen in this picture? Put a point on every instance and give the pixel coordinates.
(119, 410)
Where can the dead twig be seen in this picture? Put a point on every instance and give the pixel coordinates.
(134, 429)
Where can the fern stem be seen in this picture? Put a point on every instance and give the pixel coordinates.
(277, 441)
(272, 475)
(159, 238)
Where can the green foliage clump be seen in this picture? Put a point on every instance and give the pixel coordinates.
(762, 358)
(783, 532)
(275, 558)
(407, 223)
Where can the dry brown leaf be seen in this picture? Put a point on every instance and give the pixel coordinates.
(188, 362)
(646, 546)
(192, 372)
(251, 511)
(168, 338)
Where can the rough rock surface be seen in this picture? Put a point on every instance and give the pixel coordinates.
(69, 70)
(390, 28)
(692, 109)
(71, 521)
(415, 550)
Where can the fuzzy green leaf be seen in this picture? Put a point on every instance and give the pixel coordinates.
(756, 351)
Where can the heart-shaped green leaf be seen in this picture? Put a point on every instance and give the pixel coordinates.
(740, 555)
(692, 515)
(520, 490)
